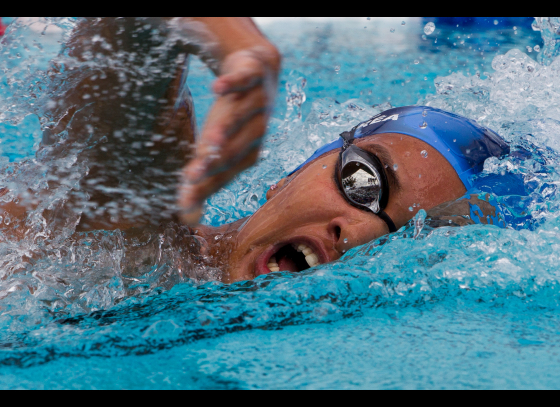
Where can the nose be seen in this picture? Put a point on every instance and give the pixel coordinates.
(347, 234)
(338, 229)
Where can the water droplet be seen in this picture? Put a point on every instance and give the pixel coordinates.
(424, 125)
(424, 153)
(403, 23)
(217, 237)
(429, 28)
(410, 208)
(357, 164)
(392, 30)
(416, 62)
(450, 221)
(514, 28)
(495, 22)
(324, 167)
(419, 175)
(425, 113)
(345, 240)
(344, 251)
(395, 167)
(537, 48)
(529, 49)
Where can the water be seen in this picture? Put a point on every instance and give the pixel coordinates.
(471, 307)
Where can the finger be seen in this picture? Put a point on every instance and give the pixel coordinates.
(212, 161)
(237, 82)
(240, 75)
(227, 118)
(191, 196)
(248, 138)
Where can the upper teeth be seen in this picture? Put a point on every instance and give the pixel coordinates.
(310, 257)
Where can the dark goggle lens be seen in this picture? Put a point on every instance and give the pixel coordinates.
(362, 185)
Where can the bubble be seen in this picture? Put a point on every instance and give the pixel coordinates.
(425, 78)
(454, 140)
(529, 49)
(374, 69)
(429, 28)
(425, 113)
(495, 22)
(424, 125)
(344, 251)
(337, 68)
(345, 240)
(424, 153)
(424, 37)
(537, 48)
(392, 30)
(395, 167)
(416, 62)
(514, 28)
(410, 208)
(403, 23)
(369, 18)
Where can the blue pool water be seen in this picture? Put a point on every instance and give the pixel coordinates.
(472, 307)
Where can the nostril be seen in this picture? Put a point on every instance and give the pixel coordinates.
(337, 232)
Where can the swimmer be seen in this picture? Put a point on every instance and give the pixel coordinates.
(367, 184)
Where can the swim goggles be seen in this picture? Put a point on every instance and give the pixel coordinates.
(362, 179)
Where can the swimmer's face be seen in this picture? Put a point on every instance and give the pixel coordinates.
(308, 209)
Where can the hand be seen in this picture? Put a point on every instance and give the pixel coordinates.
(231, 138)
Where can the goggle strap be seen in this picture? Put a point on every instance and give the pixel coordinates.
(348, 137)
(390, 224)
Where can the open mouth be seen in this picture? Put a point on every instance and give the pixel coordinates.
(293, 257)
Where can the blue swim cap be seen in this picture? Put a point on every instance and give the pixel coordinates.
(463, 142)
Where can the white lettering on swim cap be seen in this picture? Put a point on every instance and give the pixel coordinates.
(377, 119)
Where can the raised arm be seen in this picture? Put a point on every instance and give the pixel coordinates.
(247, 65)
(128, 91)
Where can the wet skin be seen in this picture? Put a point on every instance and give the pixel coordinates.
(308, 208)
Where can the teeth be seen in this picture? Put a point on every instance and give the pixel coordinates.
(312, 260)
(307, 251)
(310, 257)
(273, 265)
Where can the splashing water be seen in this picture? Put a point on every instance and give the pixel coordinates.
(428, 295)
(429, 28)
